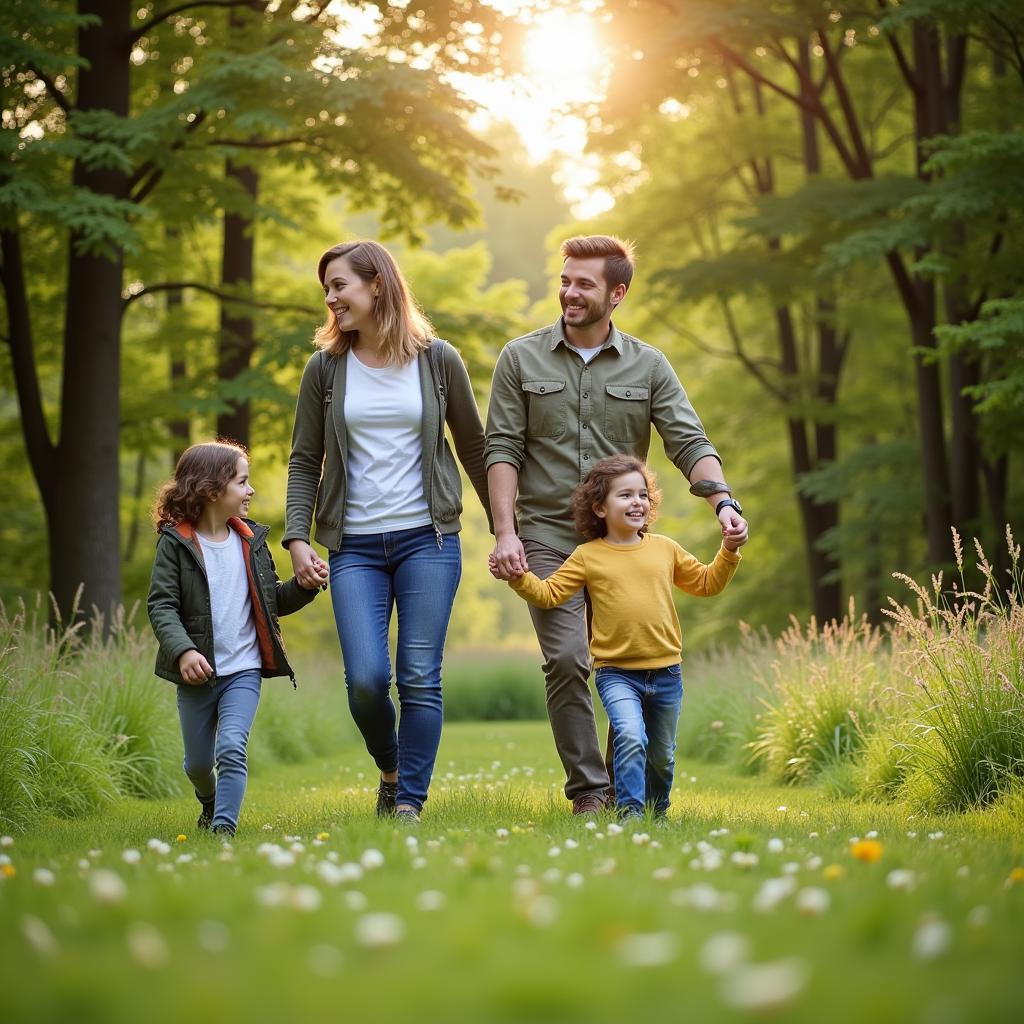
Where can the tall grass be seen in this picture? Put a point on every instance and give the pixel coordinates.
(83, 720)
(932, 712)
(963, 653)
(824, 695)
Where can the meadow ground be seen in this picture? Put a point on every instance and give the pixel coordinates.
(753, 900)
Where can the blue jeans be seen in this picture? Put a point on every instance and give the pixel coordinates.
(643, 709)
(370, 576)
(215, 723)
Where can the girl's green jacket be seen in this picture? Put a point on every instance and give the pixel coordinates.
(179, 599)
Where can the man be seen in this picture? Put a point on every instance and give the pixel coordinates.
(562, 398)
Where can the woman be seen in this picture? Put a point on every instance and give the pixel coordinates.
(369, 452)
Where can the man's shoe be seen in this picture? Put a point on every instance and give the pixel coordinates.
(224, 831)
(589, 803)
(407, 816)
(205, 820)
(387, 795)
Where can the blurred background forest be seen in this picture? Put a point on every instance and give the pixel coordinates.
(826, 201)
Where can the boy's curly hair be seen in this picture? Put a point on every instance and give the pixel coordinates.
(595, 487)
(203, 472)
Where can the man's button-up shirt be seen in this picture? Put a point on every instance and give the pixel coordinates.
(553, 415)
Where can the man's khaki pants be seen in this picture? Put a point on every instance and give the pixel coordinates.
(564, 641)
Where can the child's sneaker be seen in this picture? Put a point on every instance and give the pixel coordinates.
(205, 820)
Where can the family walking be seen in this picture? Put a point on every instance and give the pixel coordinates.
(372, 478)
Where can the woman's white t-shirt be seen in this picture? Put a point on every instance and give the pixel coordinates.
(384, 422)
(235, 647)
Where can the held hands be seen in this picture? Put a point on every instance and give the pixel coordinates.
(734, 529)
(194, 668)
(508, 559)
(310, 569)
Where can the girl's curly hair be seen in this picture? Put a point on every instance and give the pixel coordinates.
(595, 487)
(202, 473)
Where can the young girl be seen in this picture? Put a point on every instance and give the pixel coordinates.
(636, 637)
(214, 601)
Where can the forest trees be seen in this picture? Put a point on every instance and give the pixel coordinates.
(828, 141)
(126, 127)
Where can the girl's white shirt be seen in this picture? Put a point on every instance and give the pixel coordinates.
(235, 647)
(384, 422)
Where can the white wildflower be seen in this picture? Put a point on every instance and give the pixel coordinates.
(776, 845)
(813, 901)
(430, 900)
(131, 856)
(932, 938)
(654, 949)
(372, 859)
(43, 876)
(376, 931)
(724, 951)
(764, 986)
(38, 935)
(902, 879)
(147, 946)
(107, 887)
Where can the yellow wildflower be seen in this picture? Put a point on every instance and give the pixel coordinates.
(867, 850)
(323, 835)
(1016, 875)
(8, 870)
(180, 839)
(833, 871)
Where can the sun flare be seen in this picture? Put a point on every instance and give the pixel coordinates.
(563, 57)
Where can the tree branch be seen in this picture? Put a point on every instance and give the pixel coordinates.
(846, 105)
(51, 87)
(906, 70)
(147, 177)
(740, 353)
(150, 23)
(40, 448)
(199, 286)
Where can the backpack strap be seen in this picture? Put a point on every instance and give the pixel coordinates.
(326, 378)
(437, 367)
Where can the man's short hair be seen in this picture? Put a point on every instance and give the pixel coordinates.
(618, 255)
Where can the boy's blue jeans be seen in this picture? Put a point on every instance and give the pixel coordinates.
(643, 709)
(215, 723)
(372, 575)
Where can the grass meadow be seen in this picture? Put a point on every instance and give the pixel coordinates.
(845, 842)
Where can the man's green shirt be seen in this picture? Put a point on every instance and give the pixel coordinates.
(552, 416)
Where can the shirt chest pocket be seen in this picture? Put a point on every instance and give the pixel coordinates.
(627, 412)
(545, 400)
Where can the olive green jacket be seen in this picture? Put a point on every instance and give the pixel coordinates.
(318, 465)
(179, 599)
(552, 416)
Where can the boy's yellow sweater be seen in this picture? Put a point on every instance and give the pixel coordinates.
(635, 624)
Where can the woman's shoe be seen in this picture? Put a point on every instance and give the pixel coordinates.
(387, 794)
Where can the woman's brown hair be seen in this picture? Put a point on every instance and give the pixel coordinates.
(404, 328)
(595, 487)
(202, 473)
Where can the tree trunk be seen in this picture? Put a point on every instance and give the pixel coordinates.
(179, 425)
(83, 516)
(237, 330)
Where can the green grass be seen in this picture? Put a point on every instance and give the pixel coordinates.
(522, 933)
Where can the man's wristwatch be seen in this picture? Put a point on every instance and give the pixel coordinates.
(732, 503)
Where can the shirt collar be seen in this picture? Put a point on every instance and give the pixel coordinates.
(558, 337)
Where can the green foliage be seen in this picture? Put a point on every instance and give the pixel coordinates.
(965, 653)
(492, 688)
(822, 699)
